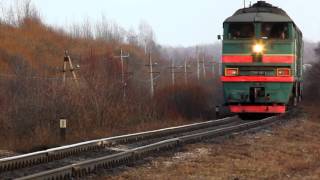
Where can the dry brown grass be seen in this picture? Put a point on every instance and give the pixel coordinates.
(291, 151)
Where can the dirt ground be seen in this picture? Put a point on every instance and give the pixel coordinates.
(287, 151)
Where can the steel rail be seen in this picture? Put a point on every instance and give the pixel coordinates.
(111, 161)
(27, 160)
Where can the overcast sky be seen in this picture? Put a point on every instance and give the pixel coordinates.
(175, 22)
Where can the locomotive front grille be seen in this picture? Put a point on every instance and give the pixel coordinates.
(256, 92)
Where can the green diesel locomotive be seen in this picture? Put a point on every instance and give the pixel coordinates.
(262, 60)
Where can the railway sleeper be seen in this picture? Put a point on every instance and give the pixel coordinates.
(107, 162)
(65, 173)
(15, 164)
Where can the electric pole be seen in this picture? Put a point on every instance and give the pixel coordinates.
(123, 81)
(152, 72)
(198, 63)
(172, 72)
(185, 71)
(203, 66)
(66, 60)
(151, 75)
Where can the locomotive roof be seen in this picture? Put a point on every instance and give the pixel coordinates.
(260, 12)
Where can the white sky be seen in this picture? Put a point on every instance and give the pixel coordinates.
(175, 22)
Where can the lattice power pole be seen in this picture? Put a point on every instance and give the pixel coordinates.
(67, 60)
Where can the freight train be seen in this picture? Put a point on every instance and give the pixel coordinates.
(262, 60)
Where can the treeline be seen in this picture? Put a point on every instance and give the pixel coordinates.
(33, 97)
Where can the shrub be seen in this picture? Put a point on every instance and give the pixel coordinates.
(187, 101)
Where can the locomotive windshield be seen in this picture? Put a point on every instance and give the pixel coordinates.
(275, 31)
(241, 30)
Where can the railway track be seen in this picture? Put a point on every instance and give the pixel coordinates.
(81, 159)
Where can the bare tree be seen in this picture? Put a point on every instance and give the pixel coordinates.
(109, 31)
(146, 36)
(132, 37)
(311, 82)
(17, 12)
(87, 32)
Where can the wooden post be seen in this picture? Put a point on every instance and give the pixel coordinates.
(217, 112)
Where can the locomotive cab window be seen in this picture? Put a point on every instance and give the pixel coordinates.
(241, 30)
(275, 30)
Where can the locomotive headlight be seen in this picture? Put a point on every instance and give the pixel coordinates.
(258, 48)
(231, 71)
(284, 72)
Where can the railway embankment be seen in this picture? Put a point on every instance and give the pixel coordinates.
(289, 150)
